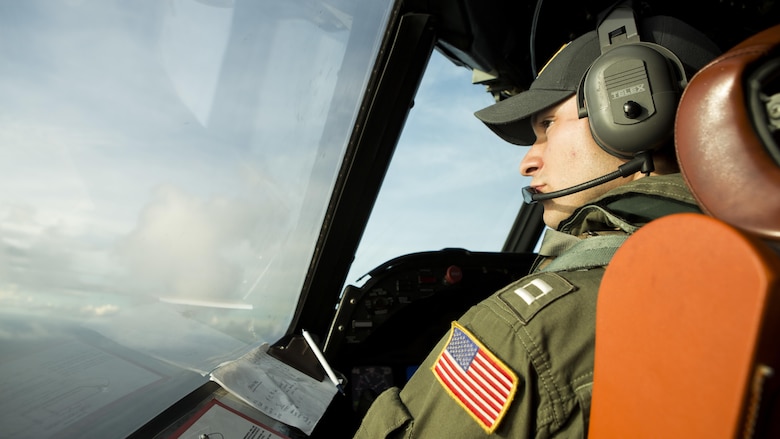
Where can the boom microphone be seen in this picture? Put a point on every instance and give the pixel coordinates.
(641, 162)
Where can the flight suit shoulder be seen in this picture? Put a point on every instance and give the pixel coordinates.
(528, 296)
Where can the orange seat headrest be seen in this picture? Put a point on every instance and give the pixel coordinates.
(729, 164)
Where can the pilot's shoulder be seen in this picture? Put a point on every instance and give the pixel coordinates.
(547, 292)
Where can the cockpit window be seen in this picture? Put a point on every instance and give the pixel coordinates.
(166, 167)
(451, 183)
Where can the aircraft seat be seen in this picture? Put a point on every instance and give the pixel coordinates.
(688, 315)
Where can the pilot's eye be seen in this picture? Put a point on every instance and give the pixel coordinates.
(544, 124)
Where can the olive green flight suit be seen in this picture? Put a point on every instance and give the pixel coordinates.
(540, 330)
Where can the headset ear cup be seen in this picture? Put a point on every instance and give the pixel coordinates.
(630, 95)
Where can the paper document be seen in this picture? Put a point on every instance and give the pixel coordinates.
(276, 389)
(219, 421)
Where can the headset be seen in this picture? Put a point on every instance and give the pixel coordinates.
(630, 93)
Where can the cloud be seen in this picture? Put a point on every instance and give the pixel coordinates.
(187, 246)
(100, 310)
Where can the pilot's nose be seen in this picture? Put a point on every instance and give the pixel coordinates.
(532, 161)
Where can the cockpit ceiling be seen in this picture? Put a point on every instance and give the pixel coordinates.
(495, 36)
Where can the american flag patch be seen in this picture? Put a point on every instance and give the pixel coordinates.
(475, 378)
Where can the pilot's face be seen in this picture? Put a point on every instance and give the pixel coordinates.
(565, 155)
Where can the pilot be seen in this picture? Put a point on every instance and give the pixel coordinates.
(520, 363)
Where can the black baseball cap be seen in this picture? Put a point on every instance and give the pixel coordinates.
(561, 76)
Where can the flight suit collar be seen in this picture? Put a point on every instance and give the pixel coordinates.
(620, 211)
(630, 206)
